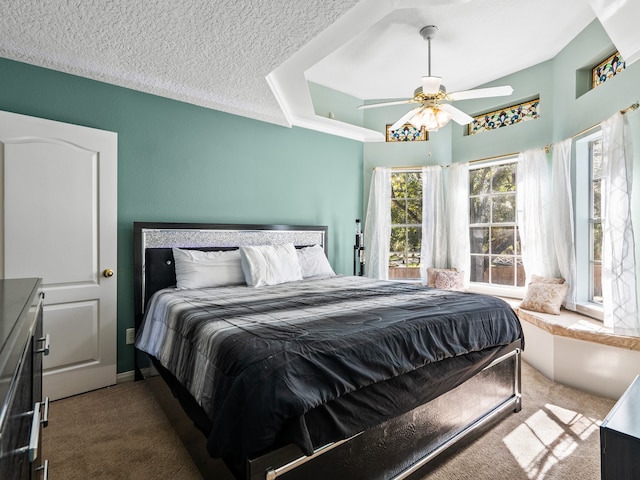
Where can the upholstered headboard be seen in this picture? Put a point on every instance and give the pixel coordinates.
(154, 267)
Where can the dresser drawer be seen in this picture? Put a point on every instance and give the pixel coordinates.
(620, 437)
(21, 408)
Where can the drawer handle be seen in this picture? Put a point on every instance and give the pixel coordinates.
(34, 436)
(44, 468)
(47, 345)
(45, 414)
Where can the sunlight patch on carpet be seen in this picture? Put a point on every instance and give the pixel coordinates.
(547, 437)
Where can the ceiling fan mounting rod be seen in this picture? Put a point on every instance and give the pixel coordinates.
(428, 33)
(429, 56)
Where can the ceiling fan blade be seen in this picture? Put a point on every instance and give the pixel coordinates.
(482, 93)
(457, 115)
(431, 85)
(406, 117)
(386, 104)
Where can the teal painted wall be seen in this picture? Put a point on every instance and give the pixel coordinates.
(563, 112)
(573, 113)
(527, 84)
(179, 162)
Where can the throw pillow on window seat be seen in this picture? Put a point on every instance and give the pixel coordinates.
(448, 280)
(432, 272)
(545, 297)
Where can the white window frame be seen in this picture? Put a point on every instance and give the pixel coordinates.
(490, 288)
(582, 207)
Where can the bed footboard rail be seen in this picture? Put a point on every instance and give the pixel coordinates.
(513, 403)
(480, 401)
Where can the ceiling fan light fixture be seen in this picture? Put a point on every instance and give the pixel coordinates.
(431, 118)
(442, 117)
(417, 119)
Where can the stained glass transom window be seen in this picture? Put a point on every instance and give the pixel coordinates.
(521, 112)
(607, 69)
(407, 133)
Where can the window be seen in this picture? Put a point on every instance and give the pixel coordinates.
(496, 258)
(588, 214)
(595, 220)
(406, 225)
(608, 68)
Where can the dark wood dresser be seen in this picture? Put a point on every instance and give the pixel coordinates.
(23, 414)
(620, 437)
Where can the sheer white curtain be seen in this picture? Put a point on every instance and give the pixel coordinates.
(562, 217)
(458, 215)
(433, 252)
(619, 290)
(377, 227)
(534, 214)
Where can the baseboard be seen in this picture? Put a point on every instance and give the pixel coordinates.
(125, 377)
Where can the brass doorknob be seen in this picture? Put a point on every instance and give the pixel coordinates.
(108, 273)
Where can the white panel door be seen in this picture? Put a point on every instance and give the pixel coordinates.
(60, 216)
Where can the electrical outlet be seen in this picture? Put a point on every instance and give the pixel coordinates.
(130, 336)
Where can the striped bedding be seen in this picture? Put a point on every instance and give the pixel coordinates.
(256, 359)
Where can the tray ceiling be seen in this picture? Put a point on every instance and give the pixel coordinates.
(254, 58)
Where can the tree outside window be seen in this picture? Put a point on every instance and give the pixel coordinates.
(406, 225)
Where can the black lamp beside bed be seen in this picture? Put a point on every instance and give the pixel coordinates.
(295, 378)
(358, 250)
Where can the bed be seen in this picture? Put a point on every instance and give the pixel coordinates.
(348, 375)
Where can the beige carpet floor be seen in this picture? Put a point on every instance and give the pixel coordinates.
(118, 432)
(122, 433)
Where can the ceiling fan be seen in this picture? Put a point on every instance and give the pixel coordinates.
(430, 112)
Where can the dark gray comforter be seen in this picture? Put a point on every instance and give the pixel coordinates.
(255, 358)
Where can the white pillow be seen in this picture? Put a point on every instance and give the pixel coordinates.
(198, 269)
(314, 262)
(270, 264)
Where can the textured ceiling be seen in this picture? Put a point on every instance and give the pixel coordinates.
(214, 53)
(253, 58)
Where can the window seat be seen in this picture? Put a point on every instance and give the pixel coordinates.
(578, 351)
(573, 325)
